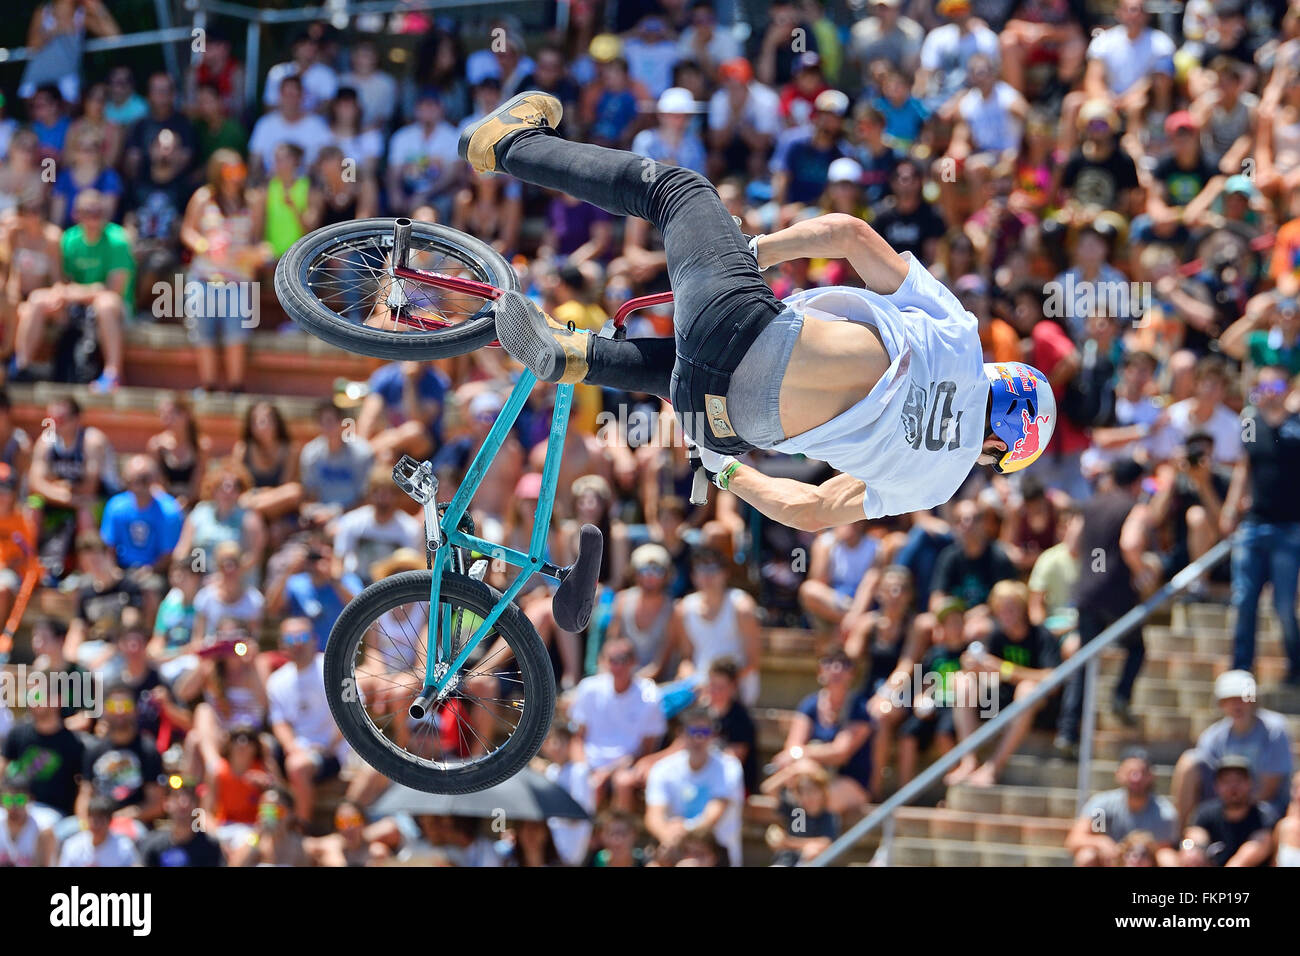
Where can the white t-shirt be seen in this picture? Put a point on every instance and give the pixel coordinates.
(572, 836)
(296, 697)
(762, 109)
(1128, 61)
(308, 131)
(362, 540)
(117, 850)
(410, 144)
(377, 94)
(19, 850)
(247, 608)
(993, 127)
(1223, 426)
(615, 724)
(947, 50)
(319, 84)
(686, 792)
(916, 436)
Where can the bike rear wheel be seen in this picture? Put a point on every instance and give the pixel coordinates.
(336, 283)
(484, 730)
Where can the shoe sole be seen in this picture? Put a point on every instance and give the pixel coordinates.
(525, 335)
(462, 144)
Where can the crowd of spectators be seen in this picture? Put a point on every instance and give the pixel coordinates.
(1117, 201)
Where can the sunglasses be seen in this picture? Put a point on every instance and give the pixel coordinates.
(655, 569)
(119, 707)
(699, 732)
(294, 638)
(621, 659)
(11, 801)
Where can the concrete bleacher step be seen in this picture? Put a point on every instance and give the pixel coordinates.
(1033, 771)
(916, 851)
(129, 416)
(1011, 800)
(1270, 667)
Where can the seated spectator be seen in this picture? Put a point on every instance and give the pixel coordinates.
(222, 229)
(1021, 654)
(615, 841)
(162, 115)
(807, 825)
(218, 518)
(831, 730)
(593, 503)
(287, 200)
(104, 592)
(948, 49)
(737, 733)
(571, 837)
(1189, 502)
(641, 613)
(423, 165)
(244, 773)
(232, 691)
(159, 716)
(672, 141)
(319, 81)
(904, 218)
(617, 719)
(270, 457)
(1286, 835)
(277, 840)
(1247, 730)
(804, 154)
(1053, 578)
(932, 719)
(697, 789)
(1233, 828)
(227, 595)
(453, 460)
(20, 566)
(142, 525)
(291, 122)
(173, 630)
(312, 748)
(838, 562)
(99, 271)
(1109, 818)
(970, 566)
(41, 750)
(214, 126)
(218, 69)
(334, 466)
(402, 411)
(1269, 332)
(716, 620)
(56, 37)
(1206, 411)
(30, 251)
(122, 764)
(376, 90)
(744, 121)
(98, 844)
(351, 844)
(125, 106)
(313, 585)
(85, 169)
(23, 841)
(48, 120)
(180, 451)
(180, 842)
(374, 531)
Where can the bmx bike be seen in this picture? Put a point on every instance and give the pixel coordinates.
(435, 678)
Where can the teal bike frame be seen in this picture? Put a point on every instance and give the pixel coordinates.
(436, 675)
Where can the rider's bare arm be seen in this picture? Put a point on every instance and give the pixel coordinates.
(838, 236)
(797, 504)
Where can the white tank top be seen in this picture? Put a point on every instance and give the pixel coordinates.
(20, 850)
(913, 440)
(719, 637)
(1288, 855)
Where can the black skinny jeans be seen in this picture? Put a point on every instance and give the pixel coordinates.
(720, 300)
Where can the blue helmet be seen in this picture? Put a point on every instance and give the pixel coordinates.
(1022, 412)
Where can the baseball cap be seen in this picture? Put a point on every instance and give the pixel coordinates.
(1234, 762)
(484, 404)
(949, 8)
(676, 99)
(808, 61)
(1240, 185)
(949, 607)
(1179, 120)
(605, 47)
(831, 101)
(1239, 685)
(1094, 111)
(844, 170)
(737, 69)
(529, 486)
(651, 555)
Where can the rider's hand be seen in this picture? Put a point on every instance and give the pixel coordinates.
(714, 464)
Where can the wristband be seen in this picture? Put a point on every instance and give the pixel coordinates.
(723, 478)
(753, 247)
(1007, 669)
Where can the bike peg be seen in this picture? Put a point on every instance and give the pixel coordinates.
(700, 486)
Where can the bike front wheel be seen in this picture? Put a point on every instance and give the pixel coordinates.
(337, 283)
(480, 733)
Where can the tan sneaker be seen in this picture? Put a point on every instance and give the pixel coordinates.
(551, 351)
(528, 110)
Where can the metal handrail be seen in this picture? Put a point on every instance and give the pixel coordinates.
(1135, 617)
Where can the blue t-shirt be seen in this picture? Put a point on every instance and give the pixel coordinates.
(903, 122)
(857, 767)
(141, 537)
(321, 604)
(107, 182)
(389, 383)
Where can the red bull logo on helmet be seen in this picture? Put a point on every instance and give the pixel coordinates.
(1029, 444)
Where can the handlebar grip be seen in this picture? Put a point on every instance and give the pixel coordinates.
(700, 487)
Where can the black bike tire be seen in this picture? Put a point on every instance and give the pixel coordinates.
(530, 656)
(312, 316)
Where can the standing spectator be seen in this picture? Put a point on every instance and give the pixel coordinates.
(219, 70)
(56, 39)
(312, 746)
(1262, 499)
(1110, 816)
(1246, 730)
(697, 789)
(1235, 828)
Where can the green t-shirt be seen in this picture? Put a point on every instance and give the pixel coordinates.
(229, 135)
(86, 264)
(1263, 353)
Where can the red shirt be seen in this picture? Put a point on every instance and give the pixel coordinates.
(1051, 345)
